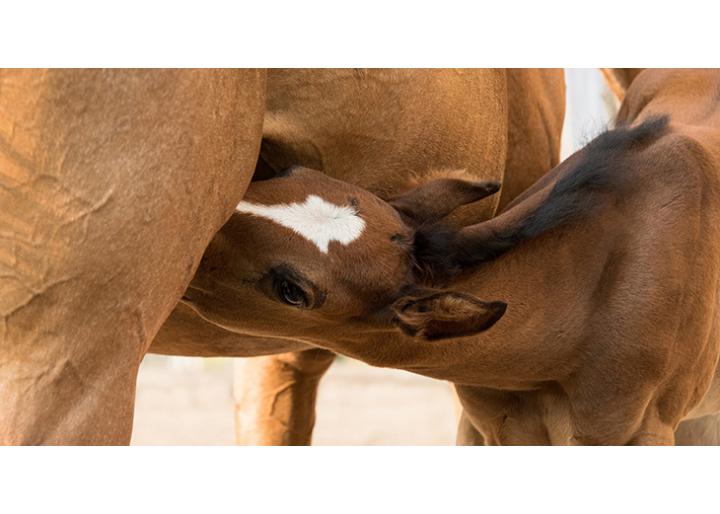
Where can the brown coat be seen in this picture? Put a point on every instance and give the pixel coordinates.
(112, 182)
(387, 131)
(585, 313)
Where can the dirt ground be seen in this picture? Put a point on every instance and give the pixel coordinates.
(189, 401)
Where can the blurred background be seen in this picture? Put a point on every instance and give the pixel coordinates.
(184, 400)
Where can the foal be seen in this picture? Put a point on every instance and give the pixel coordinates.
(585, 314)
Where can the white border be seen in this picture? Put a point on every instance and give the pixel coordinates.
(368, 33)
(358, 480)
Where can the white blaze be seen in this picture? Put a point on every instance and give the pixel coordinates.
(316, 220)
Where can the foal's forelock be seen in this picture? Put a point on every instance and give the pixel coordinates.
(317, 220)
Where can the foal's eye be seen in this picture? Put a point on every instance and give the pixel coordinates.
(291, 293)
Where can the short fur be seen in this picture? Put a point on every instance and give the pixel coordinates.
(112, 183)
(441, 252)
(611, 333)
(387, 131)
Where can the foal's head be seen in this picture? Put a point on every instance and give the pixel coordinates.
(309, 257)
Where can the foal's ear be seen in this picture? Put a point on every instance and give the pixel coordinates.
(436, 199)
(446, 314)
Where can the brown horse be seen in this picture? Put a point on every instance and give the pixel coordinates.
(111, 185)
(585, 313)
(64, 171)
(387, 131)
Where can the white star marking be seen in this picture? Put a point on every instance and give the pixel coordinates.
(316, 220)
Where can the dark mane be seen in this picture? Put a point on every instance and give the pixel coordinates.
(440, 252)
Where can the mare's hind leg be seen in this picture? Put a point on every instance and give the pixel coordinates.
(111, 185)
(275, 397)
